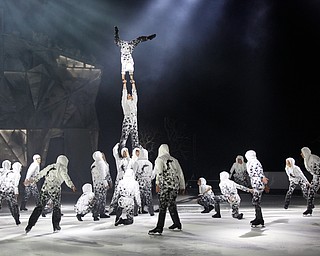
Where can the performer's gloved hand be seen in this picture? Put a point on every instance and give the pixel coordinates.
(116, 29)
(151, 36)
(74, 189)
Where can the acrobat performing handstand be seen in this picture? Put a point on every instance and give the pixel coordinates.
(126, 49)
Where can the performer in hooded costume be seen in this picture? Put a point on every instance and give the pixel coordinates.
(126, 49)
(229, 191)
(85, 202)
(7, 189)
(130, 120)
(31, 189)
(296, 177)
(312, 164)
(144, 175)
(258, 182)
(101, 179)
(126, 194)
(54, 174)
(205, 196)
(16, 167)
(122, 164)
(169, 180)
(238, 172)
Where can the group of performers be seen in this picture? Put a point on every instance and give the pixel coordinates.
(133, 184)
(249, 177)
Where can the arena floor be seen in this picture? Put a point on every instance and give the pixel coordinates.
(286, 232)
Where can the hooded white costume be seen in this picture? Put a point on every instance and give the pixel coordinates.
(169, 179)
(296, 177)
(238, 172)
(126, 194)
(55, 174)
(312, 164)
(85, 202)
(122, 164)
(101, 178)
(205, 196)
(144, 175)
(229, 191)
(17, 167)
(7, 189)
(31, 189)
(255, 171)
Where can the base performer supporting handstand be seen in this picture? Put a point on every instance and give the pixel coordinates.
(126, 49)
(130, 121)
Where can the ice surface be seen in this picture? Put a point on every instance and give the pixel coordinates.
(286, 232)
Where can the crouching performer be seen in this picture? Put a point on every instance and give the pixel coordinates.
(205, 196)
(55, 175)
(229, 191)
(127, 193)
(85, 202)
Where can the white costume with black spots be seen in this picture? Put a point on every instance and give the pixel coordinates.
(54, 174)
(126, 194)
(255, 171)
(17, 167)
(238, 172)
(144, 175)
(205, 196)
(31, 189)
(229, 191)
(100, 176)
(7, 189)
(130, 120)
(312, 164)
(296, 177)
(85, 202)
(122, 164)
(170, 179)
(126, 49)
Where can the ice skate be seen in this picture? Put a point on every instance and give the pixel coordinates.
(56, 228)
(28, 229)
(206, 210)
(104, 216)
(155, 231)
(175, 226)
(119, 221)
(79, 217)
(238, 216)
(216, 216)
(308, 212)
(257, 222)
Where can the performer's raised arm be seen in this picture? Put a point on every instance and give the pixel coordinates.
(116, 36)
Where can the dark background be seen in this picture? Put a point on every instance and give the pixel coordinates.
(237, 75)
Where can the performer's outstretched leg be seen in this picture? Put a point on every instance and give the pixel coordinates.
(34, 217)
